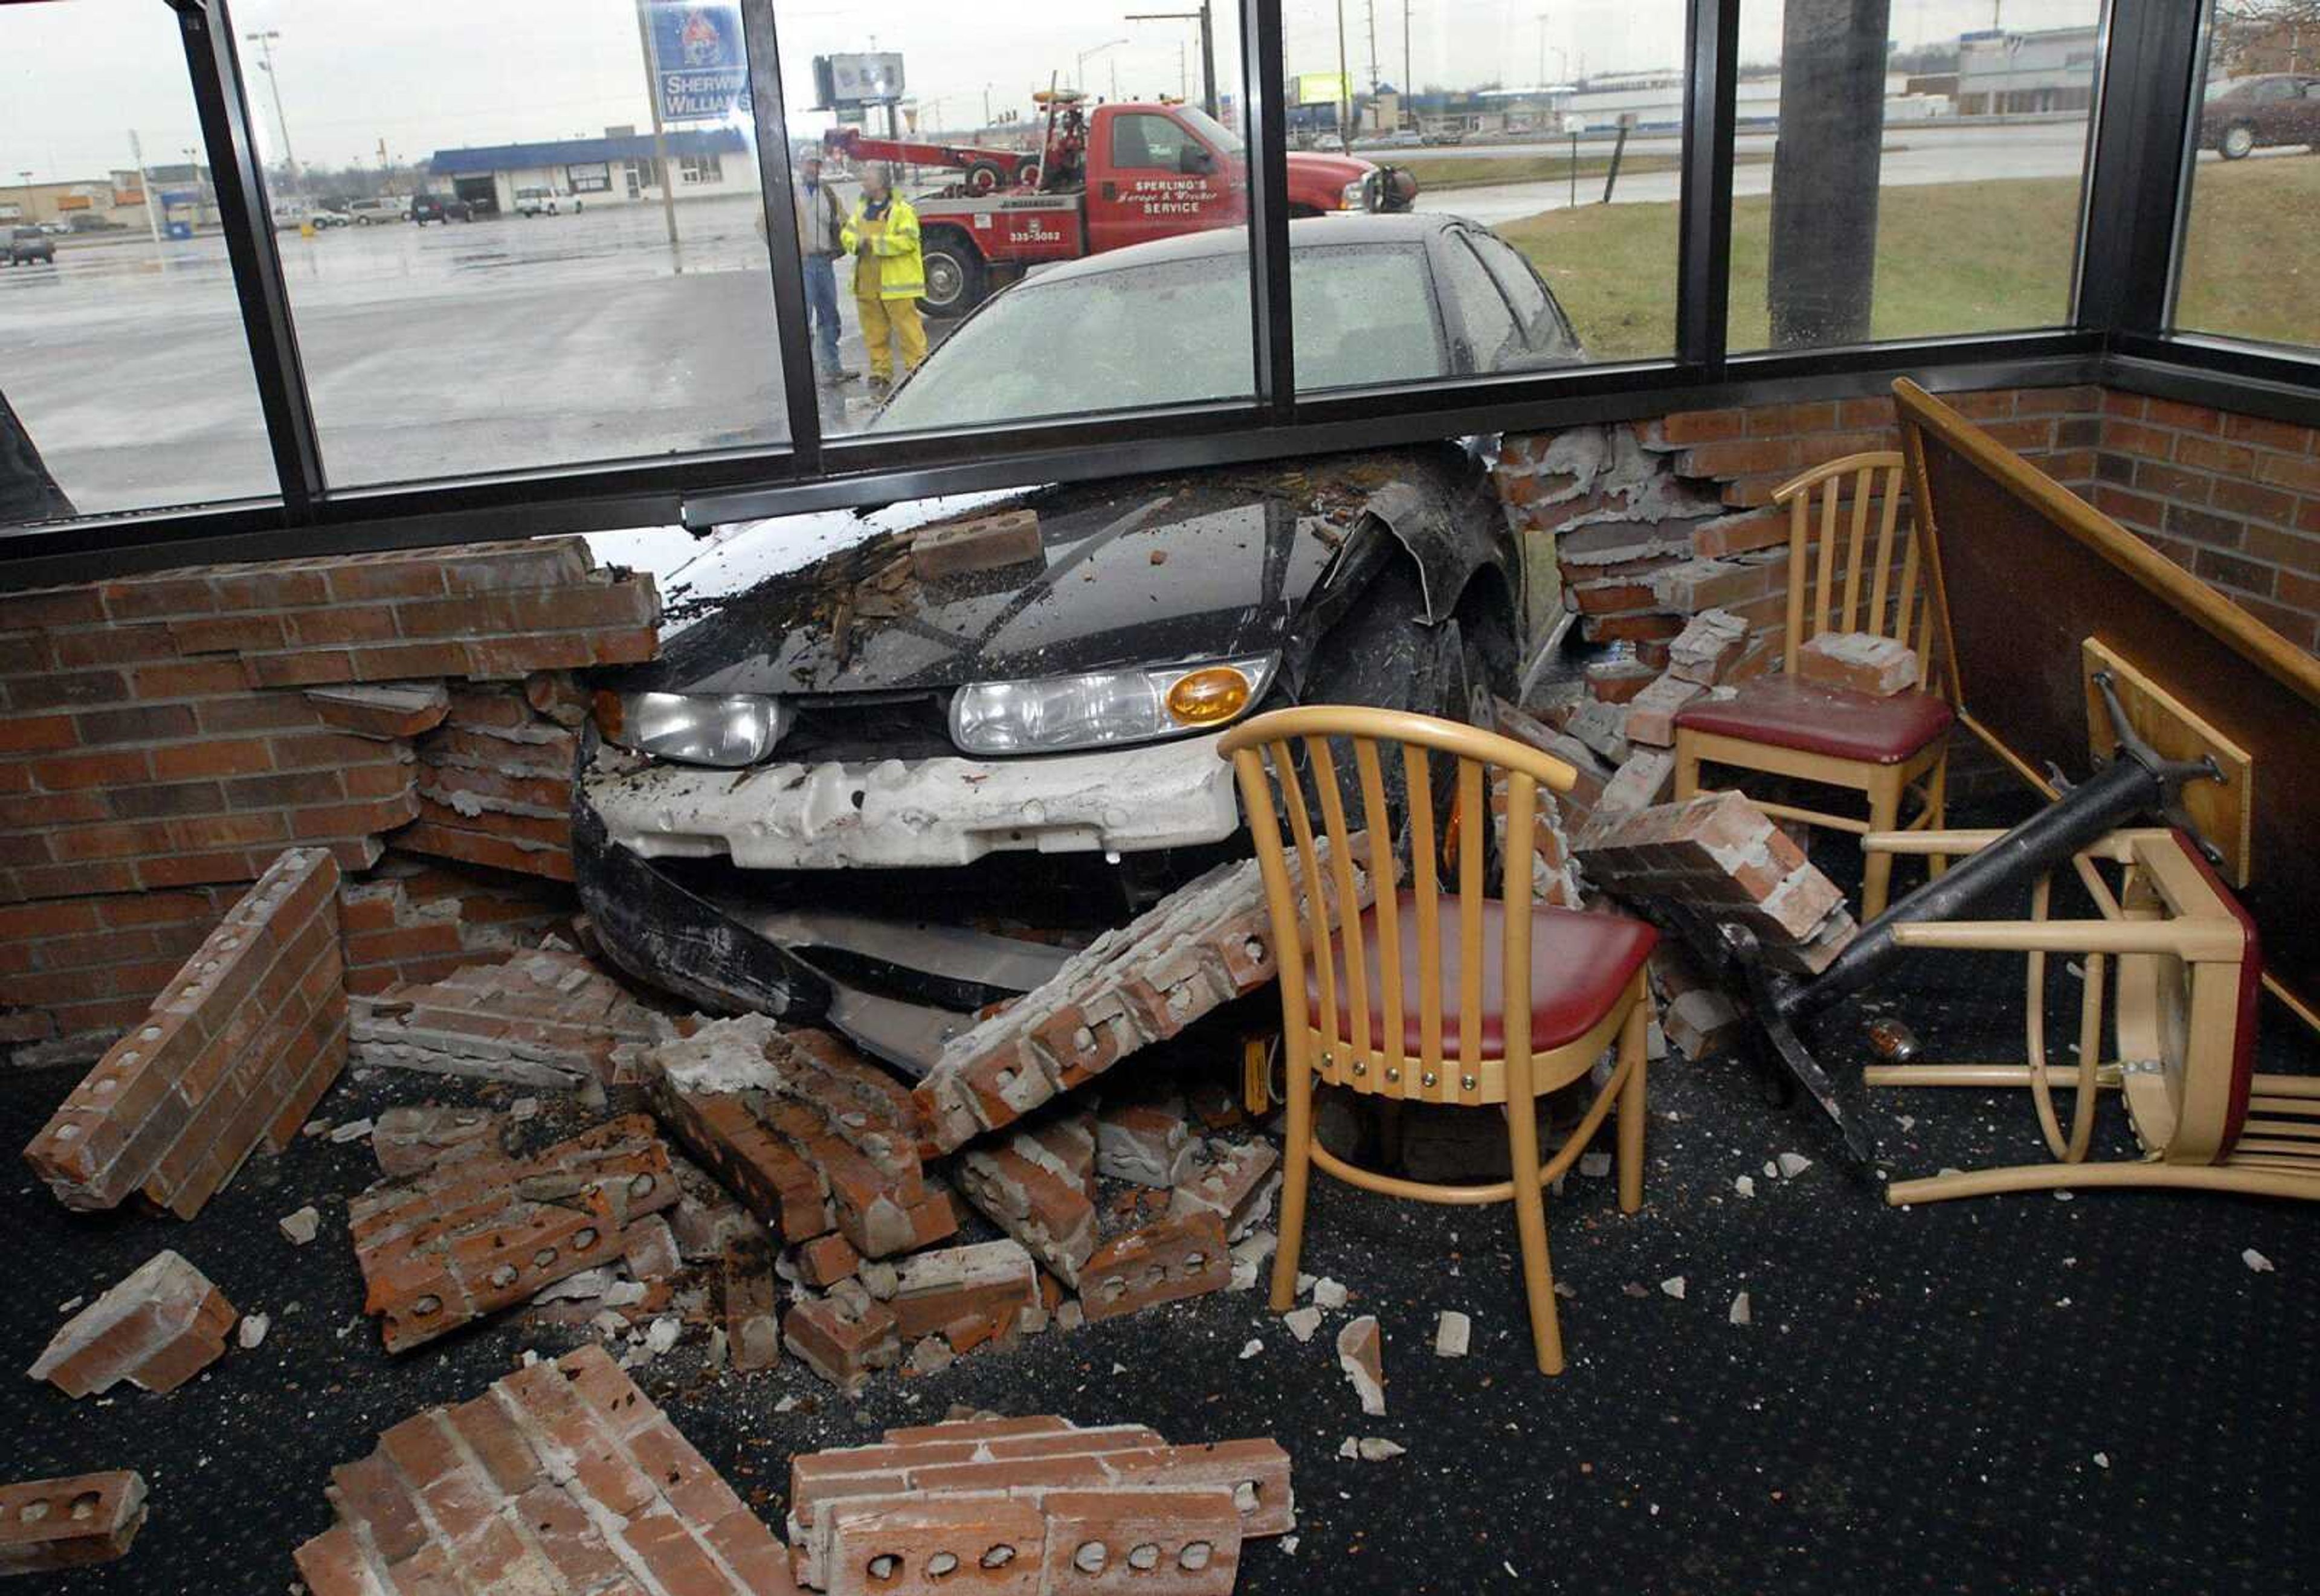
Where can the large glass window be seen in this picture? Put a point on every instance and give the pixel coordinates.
(1092, 152)
(121, 354)
(2253, 200)
(1908, 168)
(1533, 153)
(473, 292)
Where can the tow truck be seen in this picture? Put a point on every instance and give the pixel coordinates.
(1104, 177)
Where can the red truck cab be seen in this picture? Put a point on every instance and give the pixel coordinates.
(1111, 176)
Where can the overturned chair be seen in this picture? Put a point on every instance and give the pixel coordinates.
(2181, 1002)
(1432, 996)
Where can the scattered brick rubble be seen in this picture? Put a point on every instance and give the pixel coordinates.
(156, 1328)
(1043, 1200)
(69, 1522)
(1032, 1505)
(1361, 1354)
(549, 1018)
(410, 1138)
(561, 1479)
(495, 776)
(481, 1231)
(1198, 947)
(236, 1050)
(811, 1139)
(1721, 856)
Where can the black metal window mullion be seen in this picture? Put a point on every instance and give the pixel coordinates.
(1263, 80)
(1704, 238)
(2141, 151)
(237, 175)
(777, 181)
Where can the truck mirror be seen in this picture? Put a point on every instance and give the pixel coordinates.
(1195, 159)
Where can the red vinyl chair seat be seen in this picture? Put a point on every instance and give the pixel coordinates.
(1826, 720)
(1580, 966)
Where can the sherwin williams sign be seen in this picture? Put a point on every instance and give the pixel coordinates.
(701, 68)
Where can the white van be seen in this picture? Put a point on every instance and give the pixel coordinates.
(535, 202)
(391, 207)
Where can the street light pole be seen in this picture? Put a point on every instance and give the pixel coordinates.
(1344, 88)
(1080, 61)
(1208, 49)
(265, 41)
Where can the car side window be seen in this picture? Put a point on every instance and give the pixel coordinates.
(1541, 320)
(1140, 138)
(1483, 314)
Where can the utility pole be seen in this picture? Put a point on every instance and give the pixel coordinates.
(1821, 282)
(145, 186)
(1541, 78)
(1409, 84)
(1208, 49)
(1369, 8)
(1344, 88)
(660, 138)
(265, 41)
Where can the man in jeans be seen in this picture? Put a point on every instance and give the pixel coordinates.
(821, 218)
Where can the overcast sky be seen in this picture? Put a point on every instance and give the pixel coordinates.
(75, 76)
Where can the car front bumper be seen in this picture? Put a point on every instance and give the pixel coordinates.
(921, 813)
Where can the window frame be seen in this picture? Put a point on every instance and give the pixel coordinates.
(2145, 126)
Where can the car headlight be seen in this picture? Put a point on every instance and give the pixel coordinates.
(1106, 707)
(1354, 197)
(729, 730)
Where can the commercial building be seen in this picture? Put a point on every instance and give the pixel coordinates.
(622, 168)
(2009, 74)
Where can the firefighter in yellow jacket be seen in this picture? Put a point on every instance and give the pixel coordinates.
(889, 274)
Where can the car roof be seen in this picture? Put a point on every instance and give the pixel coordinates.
(1307, 232)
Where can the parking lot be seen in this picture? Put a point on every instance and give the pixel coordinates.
(508, 344)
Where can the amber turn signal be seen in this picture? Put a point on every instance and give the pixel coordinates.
(1207, 696)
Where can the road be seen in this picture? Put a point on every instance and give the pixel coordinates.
(510, 345)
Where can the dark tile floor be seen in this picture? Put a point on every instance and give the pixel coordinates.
(2016, 1394)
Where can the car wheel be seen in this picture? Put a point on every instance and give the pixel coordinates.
(956, 279)
(2239, 141)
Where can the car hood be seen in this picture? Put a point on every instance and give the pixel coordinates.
(1336, 170)
(1133, 571)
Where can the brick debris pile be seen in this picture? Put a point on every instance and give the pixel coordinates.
(832, 1158)
(1033, 1505)
(561, 1479)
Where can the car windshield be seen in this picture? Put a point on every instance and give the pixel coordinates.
(1211, 129)
(1115, 339)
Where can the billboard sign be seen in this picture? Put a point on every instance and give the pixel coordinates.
(701, 68)
(874, 78)
(1323, 88)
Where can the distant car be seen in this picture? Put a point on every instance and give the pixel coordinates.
(1377, 299)
(329, 219)
(389, 207)
(55, 229)
(2244, 114)
(28, 246)
(535, 202)
(1402, 139)
(435, 207)
(1443, 136)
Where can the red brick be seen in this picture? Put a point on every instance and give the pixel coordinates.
(68, 1522)
(1702, 426)
(156, 1328)
(1858, 662)
(1179, 1257)
(2286, 436)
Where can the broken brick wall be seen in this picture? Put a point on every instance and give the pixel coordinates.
(1656, 522)
(163, 737)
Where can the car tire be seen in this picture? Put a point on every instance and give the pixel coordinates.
(2238, 141)
(956, 281)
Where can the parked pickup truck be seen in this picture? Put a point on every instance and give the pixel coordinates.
(1105, 177)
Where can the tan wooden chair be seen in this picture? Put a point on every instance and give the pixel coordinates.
(2183, 1022)
(1880, 747)
(1433, 996)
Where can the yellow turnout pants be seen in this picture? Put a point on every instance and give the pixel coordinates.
(901, 317)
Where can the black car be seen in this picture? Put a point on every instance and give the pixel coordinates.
(29, 246)
(435, 207)
(860, 797)
(1009, 753)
